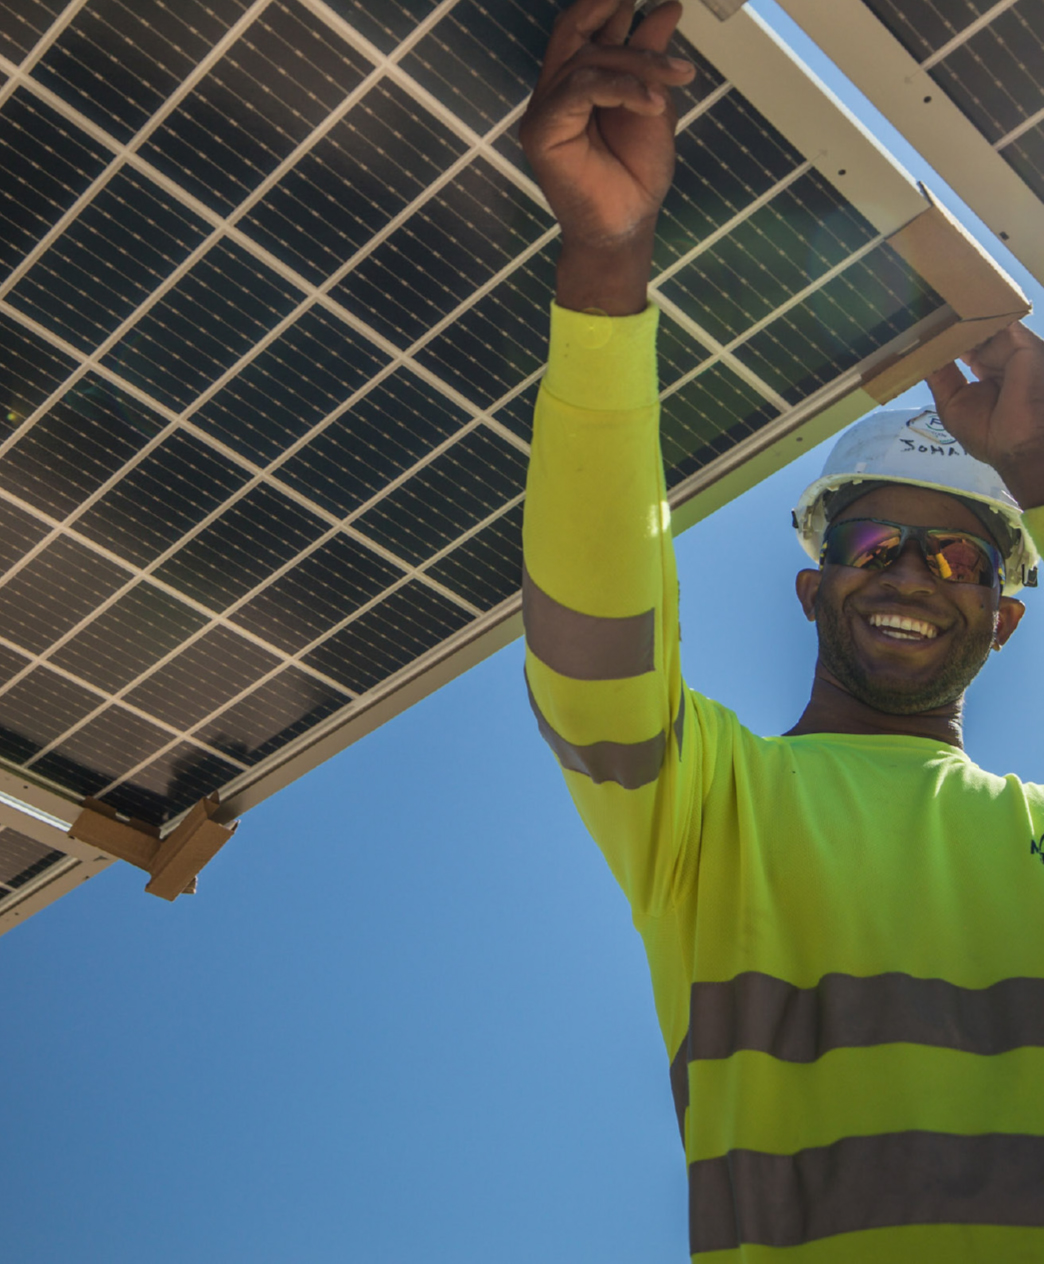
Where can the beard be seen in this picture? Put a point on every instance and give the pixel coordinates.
(837, 652)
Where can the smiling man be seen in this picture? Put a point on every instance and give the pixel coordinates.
(843, 923)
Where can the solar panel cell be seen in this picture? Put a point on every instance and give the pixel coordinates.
(481, 60)
(274, 714)
(22, 22)
(926, 25)
(358, 176)
(388, 637)
(170, 783)
(37, 709)
(272, 87)
(118, 61)
(459, 489)
(72, 450)
(53, 591)
(169, 492)
(706, 416)
(1026, 155)
(19, 532)
(30, 370)
(386, 431)
(517, 413)
(487, 568)
(384, 22)
(202, 325)
(103, 749)
(321, 591)
(128, 637)
(45, 165)
(108, 260)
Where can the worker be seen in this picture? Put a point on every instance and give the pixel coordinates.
(844, 924)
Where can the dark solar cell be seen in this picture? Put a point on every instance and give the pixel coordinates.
(467, 483)
(102, 750)
(30, 369)
(487, 569)
(277, 82)
(470, 230)
(801, 234)
(997, 76)
(118, 60)
(22, 858)
(483, 59)
(727, 158)
(677, 351)
(1026, 155)
(922, 26)
(239, 550)
(275, 713)
(11, 663)
(383, 22)
(172, 490)
(37, 710)
(203, 325)
(501, 339)
(300, 377)
(322, 589)
(113, 255)
(386, 431)
(517, 414)
(19, 532)
(361, 174)
(202, 678)
(172, 782)
(851, 316)
(45, 164)
(388, 637)
(139, 629)
(53, 592)
(77, 445)
(706, 417)
(22, 22)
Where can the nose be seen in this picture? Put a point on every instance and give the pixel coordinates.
(909, 572)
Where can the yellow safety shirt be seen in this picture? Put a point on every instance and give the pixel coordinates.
(845, 933)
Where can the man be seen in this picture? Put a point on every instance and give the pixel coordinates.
(845, 924)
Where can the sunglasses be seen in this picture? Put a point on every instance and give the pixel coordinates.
(871, 544)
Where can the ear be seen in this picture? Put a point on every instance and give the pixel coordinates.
(807, 585)
(1009, 612)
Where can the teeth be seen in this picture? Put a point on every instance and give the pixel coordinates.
(904, 629)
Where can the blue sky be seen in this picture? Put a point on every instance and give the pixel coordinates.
(407, 1015)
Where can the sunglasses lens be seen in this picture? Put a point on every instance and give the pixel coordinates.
(860, 542)
(962, 560)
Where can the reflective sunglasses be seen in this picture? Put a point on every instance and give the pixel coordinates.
(871, 544)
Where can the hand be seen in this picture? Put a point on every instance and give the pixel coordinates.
(999, 418)
(599, 133)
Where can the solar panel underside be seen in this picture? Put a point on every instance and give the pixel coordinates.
(272, 322)
(988, 58)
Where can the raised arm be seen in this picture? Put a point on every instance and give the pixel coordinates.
(600, 592)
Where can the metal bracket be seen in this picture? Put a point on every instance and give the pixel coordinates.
(724, 9)
(172, 862)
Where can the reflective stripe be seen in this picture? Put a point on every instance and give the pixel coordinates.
(679, 723)
(899, 1178)
(584, 646)
(629, 764)
(757, 1011)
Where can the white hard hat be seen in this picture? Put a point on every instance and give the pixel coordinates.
(896, 445)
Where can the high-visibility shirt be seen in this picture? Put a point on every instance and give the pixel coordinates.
(845, 933)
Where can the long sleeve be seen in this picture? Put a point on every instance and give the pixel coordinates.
(600, 605)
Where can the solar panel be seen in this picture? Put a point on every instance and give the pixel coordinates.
(963, 80)
(273, 316)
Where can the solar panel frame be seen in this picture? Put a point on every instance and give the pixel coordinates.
(445, 628)
(904, 79)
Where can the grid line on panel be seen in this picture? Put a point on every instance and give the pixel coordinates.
(1020, 129)
(123, 153)
(49, 36)
(793, 301)
(143, 573)
(963, 36)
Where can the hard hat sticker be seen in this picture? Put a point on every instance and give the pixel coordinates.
(929, 426)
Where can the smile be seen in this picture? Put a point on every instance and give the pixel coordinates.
(902, 628)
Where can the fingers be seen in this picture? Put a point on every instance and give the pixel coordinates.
(615, 29)
(578, 25)
(944, 385)
(655, 31)
(566, 110)
(989, 358)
